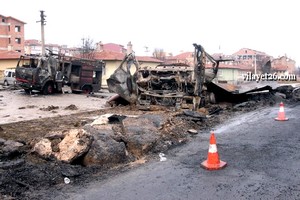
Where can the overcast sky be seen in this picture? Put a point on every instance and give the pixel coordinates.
(218, 25)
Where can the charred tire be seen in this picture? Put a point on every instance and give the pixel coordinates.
(212, 98)
(27, 91)
(48, 89)
(5, 83)
(87, 89)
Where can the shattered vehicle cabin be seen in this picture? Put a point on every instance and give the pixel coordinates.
(48, 74)
(178, 85)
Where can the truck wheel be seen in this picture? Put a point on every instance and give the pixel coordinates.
(5, 83)
(212, 98)
(48, 89)
(27, 91)
(86, 89)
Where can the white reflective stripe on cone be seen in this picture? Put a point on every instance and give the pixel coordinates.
(212, 148)
(281, 109)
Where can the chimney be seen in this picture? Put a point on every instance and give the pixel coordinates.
(99, 47)
(129, 48)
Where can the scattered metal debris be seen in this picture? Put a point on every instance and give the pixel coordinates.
(162, 157)
(193, 131)
(67, 180)
(296, 93)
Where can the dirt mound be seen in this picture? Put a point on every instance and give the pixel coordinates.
(50, 108)
(71, 107)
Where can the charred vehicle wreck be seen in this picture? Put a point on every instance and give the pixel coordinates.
(48, 74)
(177, 84)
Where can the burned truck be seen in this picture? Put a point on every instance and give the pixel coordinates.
(175, 84)
(49, 74)
(185, 86)
(84, 75)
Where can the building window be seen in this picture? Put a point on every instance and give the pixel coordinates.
(9, 41)
(18, 40)
(8, 28)
(17, 28)
(3, 20)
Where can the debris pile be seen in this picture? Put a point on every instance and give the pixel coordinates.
(41, 153)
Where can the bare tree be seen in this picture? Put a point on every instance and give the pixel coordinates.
(159, 54)
(88, 48)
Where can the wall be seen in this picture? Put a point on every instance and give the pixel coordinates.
(5, 64)
(284, 61)
(229, 75)
(110, 67)
(7, 30)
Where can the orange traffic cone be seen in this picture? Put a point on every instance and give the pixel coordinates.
(281, 114)
(213, 161)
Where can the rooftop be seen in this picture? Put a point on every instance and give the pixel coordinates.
(9, 55)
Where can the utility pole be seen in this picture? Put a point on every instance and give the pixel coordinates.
(43, 23)
(146, 50)
(83, 47)
(255, 63)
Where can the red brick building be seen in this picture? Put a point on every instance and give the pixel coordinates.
(110, 47)
(284, 64)
(11, 34)
(252, 58)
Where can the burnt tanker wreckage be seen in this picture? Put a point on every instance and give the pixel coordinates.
(176, 85)
(49, 73)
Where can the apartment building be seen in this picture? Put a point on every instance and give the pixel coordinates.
(284, 65)
(35, 47)
(252, 58)
(11, 34)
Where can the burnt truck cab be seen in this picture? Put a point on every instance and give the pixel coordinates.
(48, 74)
(42, 73)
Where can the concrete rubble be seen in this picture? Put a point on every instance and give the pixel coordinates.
(100, 143)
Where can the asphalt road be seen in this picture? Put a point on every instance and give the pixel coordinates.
(263, 157)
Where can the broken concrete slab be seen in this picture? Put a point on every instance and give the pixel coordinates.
(104, 149)
(43, 148)
(10, 148)
(75, 144)
(101, 120)
(141, 134)
(107, 118)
